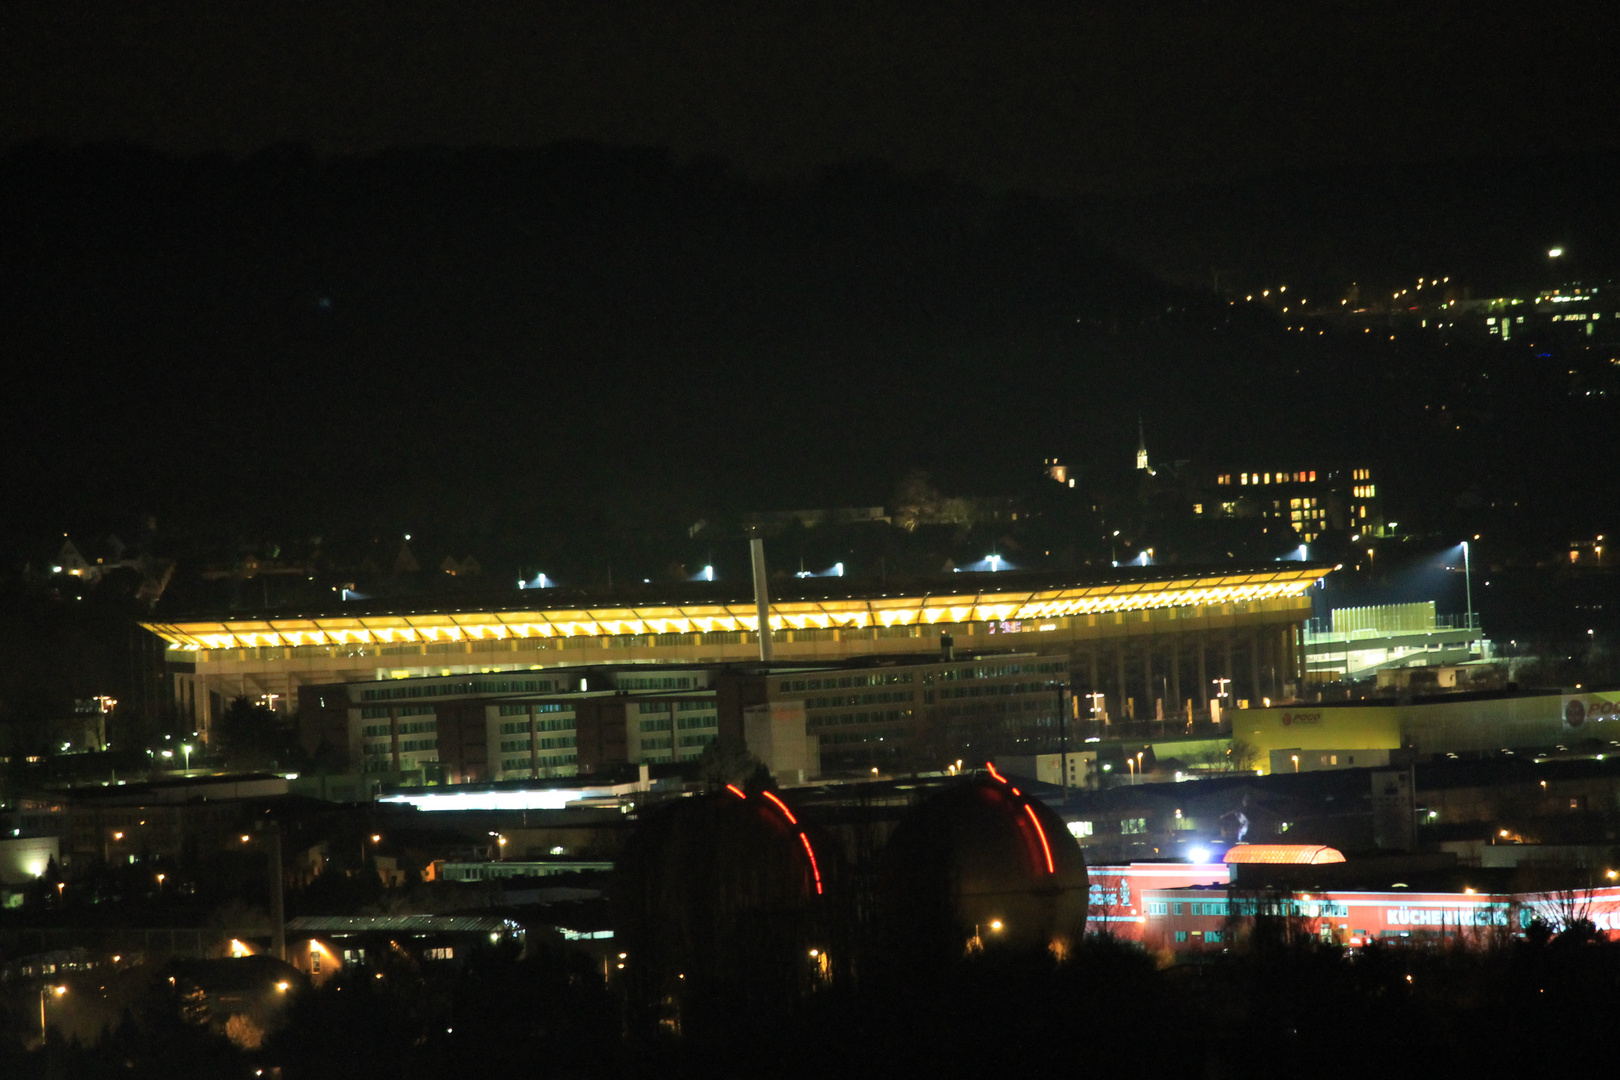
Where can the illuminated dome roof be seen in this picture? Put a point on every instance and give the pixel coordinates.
(1299, 854)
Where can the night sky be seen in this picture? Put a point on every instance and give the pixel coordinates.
(365, 265)
(1057, 98)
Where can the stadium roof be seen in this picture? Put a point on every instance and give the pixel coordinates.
(986, 598)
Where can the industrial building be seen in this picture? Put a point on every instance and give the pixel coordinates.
(1192, 907)
(1302, 738)
(1384, 640)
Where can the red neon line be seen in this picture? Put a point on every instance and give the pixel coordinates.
(1030, 810)
(735, 790)
(814, 869)
(992, 767)
(772, 796)
(1015, 791)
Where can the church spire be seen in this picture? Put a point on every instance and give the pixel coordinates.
(1141, 448)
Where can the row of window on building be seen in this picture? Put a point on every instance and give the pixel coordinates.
(1305, 476)
(414, 689)
(844, 682)
(519, 727)
(524, 708)
(551, 761)
(383, 731)
(685, 723)
(382, 712)
(556, 742)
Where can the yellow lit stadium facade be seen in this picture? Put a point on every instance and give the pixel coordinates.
(1138, 640)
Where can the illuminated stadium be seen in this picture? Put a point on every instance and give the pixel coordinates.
(1137, 637)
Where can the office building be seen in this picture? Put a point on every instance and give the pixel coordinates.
(886, 712)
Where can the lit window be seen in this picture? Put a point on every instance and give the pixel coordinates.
(1268, 478)
(1244, 477)
(1294, 504)
(1313, 478)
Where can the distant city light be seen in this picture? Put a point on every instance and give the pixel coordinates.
(1553, 253)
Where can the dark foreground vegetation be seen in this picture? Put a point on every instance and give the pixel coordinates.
(1276, 1008)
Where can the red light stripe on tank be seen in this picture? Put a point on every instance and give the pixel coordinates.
(814, 869)
(735, 790)
(782, 805)
(1047, 848)
(992, 767)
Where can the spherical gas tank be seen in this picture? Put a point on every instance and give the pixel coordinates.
(981, 865)
(717, 897)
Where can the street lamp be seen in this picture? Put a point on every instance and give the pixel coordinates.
(1468, 583)
(55, 991)
(185, 748)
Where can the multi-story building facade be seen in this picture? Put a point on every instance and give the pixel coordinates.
(886, 712)
(1310, 500)
(514, 726)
